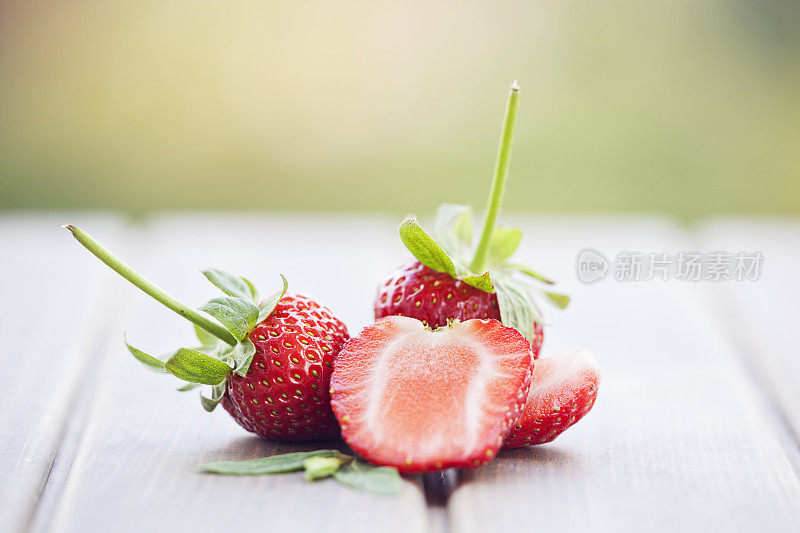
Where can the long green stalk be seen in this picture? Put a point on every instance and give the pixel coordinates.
(499, 180)
(148, 287)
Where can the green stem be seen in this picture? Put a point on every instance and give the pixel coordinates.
(499, 181)
(148, 287)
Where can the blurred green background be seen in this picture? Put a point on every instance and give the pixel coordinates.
(681, 107)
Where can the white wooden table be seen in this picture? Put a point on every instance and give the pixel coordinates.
(695, 429)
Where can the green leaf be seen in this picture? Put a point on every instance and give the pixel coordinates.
(238, 315)
(425, 248)
(147, 360)
(267, 306)
(504, 242)
(217, 392)
(483, 282)
(242, 355)
(453, 227)
(377, 479)
(231, 285)
(320, 467)
(530, 272)
(558, 299)
(253, 291)
(205, 338)
(189, 386)
(196, 367)
(517, 307)
(276, 464)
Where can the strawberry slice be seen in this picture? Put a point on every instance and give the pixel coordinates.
(563, 389)
(421, 399)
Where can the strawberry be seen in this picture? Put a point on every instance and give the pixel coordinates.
(435, 297)
(421, 399)
(563, 389)
(454, 279)
(269, 363)
(285, 393)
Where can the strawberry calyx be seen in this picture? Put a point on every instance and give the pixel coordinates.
(485, 265)
(214, 360)
(221, 325)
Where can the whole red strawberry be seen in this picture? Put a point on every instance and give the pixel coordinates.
(269, 363)
(455, 279)
(285, 394)
(433, 297)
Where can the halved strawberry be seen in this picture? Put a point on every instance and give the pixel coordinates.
(563, 389)
(422, 399)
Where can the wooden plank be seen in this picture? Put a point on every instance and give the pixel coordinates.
(54, 303)
(680, 439)
(764, 313)
(134, 466)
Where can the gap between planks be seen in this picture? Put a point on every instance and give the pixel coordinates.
(97, 359)
(761, 315)
(57, 300)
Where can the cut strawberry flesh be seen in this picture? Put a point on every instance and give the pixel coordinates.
(563, 389)
(424, 400)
